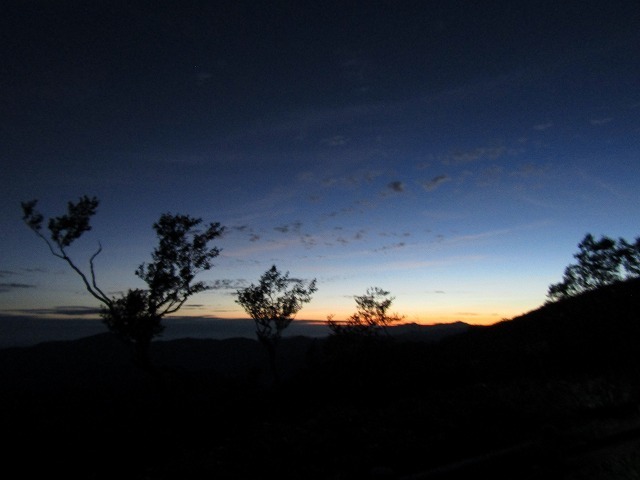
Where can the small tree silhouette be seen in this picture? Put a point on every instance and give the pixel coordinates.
(273, 304)
(600, 262)
(136, 316)
(371, 316)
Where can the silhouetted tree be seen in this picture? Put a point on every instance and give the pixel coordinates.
(136, 316)
(371, 316)
(599, 263)
(360, 349)
(630, 255)
(273, 304)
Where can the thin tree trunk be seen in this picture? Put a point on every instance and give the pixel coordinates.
(270, 345)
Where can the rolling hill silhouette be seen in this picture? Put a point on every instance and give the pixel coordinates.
(553, 393)
(596, 331)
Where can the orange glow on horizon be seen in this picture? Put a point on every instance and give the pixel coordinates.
(320, 316)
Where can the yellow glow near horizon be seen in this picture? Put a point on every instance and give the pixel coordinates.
(424, 318)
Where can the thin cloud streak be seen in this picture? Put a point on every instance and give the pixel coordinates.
(462, 157)
(66, 311)
(7, 287)
(436, 182)
(413, 265)
(460, 239)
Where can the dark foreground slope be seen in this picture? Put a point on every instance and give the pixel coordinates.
(596, 332)
(551, 394)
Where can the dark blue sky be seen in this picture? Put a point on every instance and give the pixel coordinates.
(453, 153)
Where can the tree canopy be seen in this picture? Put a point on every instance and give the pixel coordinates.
(273, 304)
(183, 251)
(371, 315)
(599, 263)
(274, 301)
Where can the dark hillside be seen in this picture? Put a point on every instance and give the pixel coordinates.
(550, 394)
(102, 362)
(596, 331)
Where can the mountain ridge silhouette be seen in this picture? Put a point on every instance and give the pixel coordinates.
(553, 381)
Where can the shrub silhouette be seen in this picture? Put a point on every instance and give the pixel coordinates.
(136, 316)
(360, 346)
(272, 304)
(371, 316)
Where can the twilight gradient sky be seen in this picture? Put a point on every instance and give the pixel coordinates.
(452, 152)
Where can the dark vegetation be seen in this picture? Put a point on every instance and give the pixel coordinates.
(599, 262)
(273, 304)
(554, 393)
(135, 316)
(529, 397)
(371, 317)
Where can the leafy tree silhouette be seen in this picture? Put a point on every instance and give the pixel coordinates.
(136, 316)
(273, 304)
(360, 349)
(600, 262)
(371, 316)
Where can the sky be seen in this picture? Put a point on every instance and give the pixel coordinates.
(453, 153)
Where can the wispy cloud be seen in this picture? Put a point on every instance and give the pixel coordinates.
(228, 284)
(460, 157)
(249, 253)
(473, 237)
(335, 141)
(72, 311)
(435, 182)
(203, 78)
(185, 159)
(9, 286)
(543, 126)
(613, 189)
(393, 246)
(10, 273)
(336, 236)
(489, 176)
(245, 230)
(342, 211)
(600, 121)
(293, 227)
(395, 234)
(354, 179)
(412, 265)
(529, 170)
(537, 202)
(308, 240)
(396, 186)
(359, 235)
